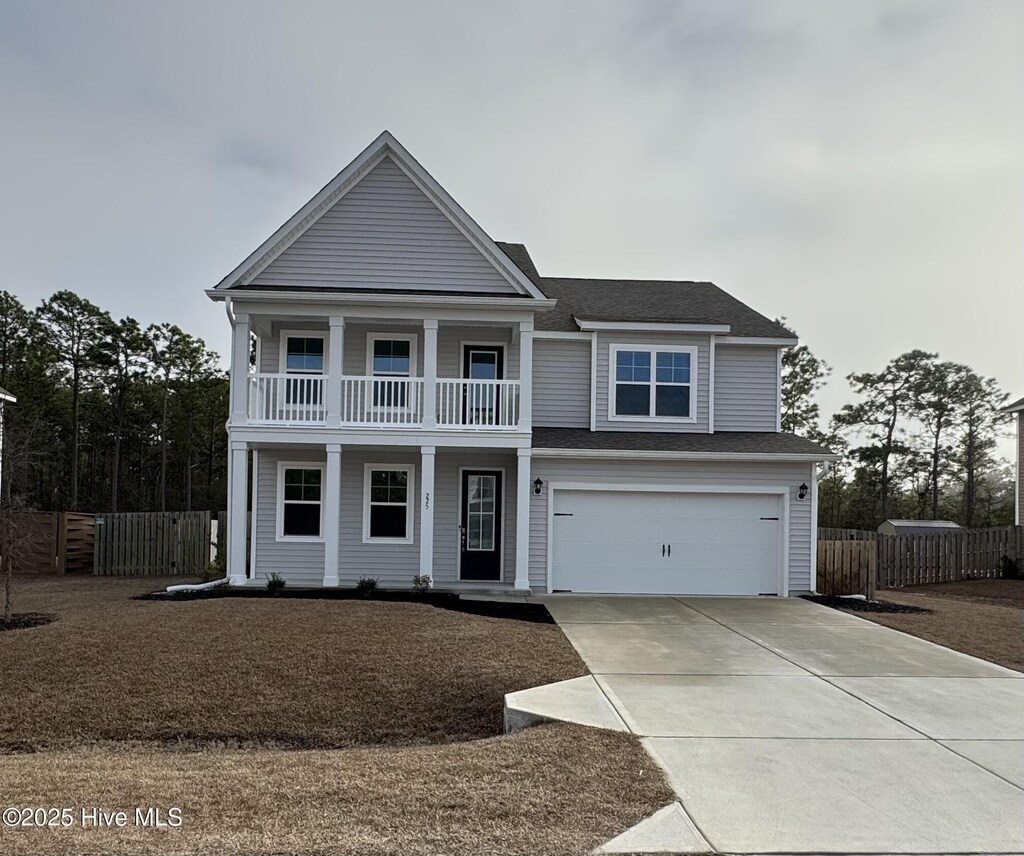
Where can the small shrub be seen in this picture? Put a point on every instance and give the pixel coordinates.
(366, 586)
(276, 584)
(421, 584)
(216, 570)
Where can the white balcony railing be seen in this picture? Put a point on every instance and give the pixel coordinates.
(383, 402)
(287, 398)
(479, 404)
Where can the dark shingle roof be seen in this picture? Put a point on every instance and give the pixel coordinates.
(1013, 408)
(724, 442)
(640, 300)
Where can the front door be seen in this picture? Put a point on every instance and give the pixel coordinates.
(480, 525)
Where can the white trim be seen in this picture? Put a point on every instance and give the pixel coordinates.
(316, 435)
(6, 396)
(778, 392)
(282, 348)
(411, 338)
(650, 327)
(814, 528)
(330, 517)
(781, 491)
(299, 465)
(427, 500)
(593, 381)
(410, 503)
(711, 384)
(558, 334)
(504, 521)
(340, 297)
(252, 513)
(470, 343)
(385, 145)
(758, 340)
(640, 454)
(692, 350)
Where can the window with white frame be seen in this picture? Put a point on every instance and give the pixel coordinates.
(303, 355)
(387, 507)
(390, 357)
(300, 500)
(652, 382)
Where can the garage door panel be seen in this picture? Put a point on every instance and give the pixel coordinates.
(618, 542)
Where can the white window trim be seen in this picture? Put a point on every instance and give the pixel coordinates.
(483, 346)
(411, 338)
(653, 349)
(282, 355)
(410, 470)
(300, 465)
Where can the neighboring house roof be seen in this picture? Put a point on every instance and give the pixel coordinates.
(1016, 407)
(649, 443)
(6, 396)
(918, 527)
(641, 301)
(385, 146)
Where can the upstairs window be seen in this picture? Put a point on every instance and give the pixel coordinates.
(652, 383)
(390, 357)
(304, 354)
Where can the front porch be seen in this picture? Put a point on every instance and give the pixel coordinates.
(330, 514)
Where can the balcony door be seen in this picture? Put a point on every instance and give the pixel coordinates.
(480, 525)
(480, 400)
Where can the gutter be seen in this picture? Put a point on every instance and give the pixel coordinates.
(642, 454)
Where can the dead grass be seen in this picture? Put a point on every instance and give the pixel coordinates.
(548, 790)
(978, 617)
(263, 673)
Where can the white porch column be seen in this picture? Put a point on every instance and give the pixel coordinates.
(523, 491)
(332, 513)
(427, 512)
(430, 373)
(335, 361)
(526, 376)
(237, 511)
(240, 369)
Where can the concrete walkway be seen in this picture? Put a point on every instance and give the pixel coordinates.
(789, 727)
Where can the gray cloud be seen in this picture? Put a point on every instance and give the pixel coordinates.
(851, 165)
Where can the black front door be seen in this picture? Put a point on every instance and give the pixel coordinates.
(480, 525)
(482, 402)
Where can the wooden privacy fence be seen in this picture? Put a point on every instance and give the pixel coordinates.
(854, 564)
(168, 543)
(847, 567)
(54, 542)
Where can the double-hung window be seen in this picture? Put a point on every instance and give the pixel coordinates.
(387, 506)
(653, 382)
(300, 500)
(303, 356)
(391, 358)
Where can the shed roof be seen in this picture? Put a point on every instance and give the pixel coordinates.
(919, 527)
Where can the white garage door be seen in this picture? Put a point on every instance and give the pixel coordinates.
(629, 542)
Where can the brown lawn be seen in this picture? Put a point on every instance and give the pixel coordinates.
(299, 727)
(979, 617)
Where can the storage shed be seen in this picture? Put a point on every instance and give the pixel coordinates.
(917, 527)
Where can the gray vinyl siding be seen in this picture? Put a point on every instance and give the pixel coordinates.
(450, 341)
(300, 563)
(447, 485)
(746, 388)
(356, 345)
(385, 234)
(605, 340)
(609, 471)
(561, 383)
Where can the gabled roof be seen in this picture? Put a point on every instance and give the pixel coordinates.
(1016, 407)
(6, 396)
(384, 146)
(919, 527)
(642, 301)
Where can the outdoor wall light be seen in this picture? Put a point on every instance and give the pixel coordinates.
(538, 486)
(803, 492)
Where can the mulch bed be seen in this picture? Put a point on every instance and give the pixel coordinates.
(532, 612)
(856, 605)
(26, 620)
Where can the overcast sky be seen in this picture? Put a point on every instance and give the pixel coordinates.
(854, 166)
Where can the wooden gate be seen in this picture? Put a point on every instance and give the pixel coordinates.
(847, 567)
(54, 542)
(158, 543)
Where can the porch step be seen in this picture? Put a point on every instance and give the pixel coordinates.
(578, 700)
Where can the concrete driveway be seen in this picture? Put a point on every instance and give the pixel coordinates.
(789, 727)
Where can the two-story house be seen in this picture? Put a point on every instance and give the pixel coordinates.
(410, 397)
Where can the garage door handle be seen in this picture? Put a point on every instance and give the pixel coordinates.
(563, 514)
(769, 518)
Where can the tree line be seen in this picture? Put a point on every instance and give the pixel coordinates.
(111, 416)
(918, 442)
